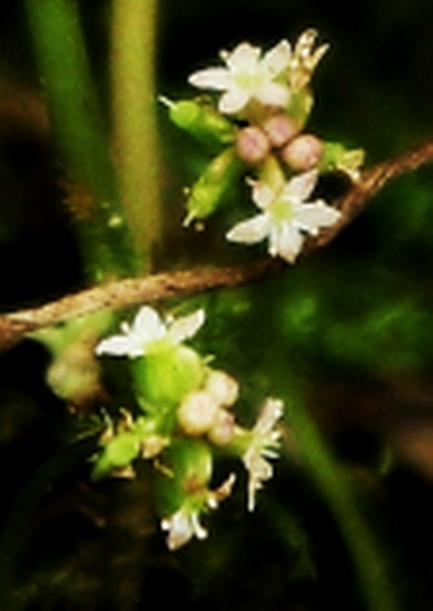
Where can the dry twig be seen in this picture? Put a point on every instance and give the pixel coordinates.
(159, 287)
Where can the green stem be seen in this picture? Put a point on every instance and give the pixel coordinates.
(134, 118)
(367, 556)
(78, 127)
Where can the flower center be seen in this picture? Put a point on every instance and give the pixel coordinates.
(250, 80)
(281, 211)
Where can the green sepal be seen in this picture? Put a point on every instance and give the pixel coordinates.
(201, 120)
(207, 194)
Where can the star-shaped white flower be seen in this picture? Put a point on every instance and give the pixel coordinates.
(181, 527)
(185, 523)
(248, 76)
(147, 330)
(285, 216)
(263, 445)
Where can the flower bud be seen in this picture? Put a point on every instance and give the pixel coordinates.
(207, 193)
(303, 153)
(252, 145)
(280, 128)
(117, 454)
(197, 413)
(222, 387)
(222, 430)
(201, 120)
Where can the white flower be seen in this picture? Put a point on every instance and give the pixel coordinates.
(181, 527)
(146, 330)
(185, 524)
(248, 76)
(285, 217)
(263, 445)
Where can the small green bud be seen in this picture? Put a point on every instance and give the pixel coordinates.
(201, 120)
(163, 378)
(208, 192)
(117, 454)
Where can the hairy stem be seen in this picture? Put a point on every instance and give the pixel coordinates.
(159, 287)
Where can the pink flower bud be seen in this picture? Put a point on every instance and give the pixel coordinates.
(303, 153)
(252, 144)
(222, 430)
(222, 387)
(197, 413)
(280, 128)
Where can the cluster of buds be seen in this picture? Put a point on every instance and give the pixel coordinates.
(258, 121)
(185, 414)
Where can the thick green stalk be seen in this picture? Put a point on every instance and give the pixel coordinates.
(134, 119)
(367, 556)
(79, 133)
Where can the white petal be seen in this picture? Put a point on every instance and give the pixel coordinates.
(300, 187)
(278, 58)
(147, 326)
(212, 78)
(285, 241)
(311, 217)
(271, 412)
(119, 345)
(233, 100)
(250, 231)
(185, 327)
(262, 194)
(243, 58)
(179, 528)
(273, 94)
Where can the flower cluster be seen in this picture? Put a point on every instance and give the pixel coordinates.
(184, 414)
(263, 103)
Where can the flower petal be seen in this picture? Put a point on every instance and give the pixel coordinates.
(300, 187)
(211, 78)
(278, 58)
(119, 345)
(285, 241)
(251, 231)
(243, 58)
(273, 94)
(148, 326)
(310, 217)
(233, 100)
(185, 327)
(262, 194)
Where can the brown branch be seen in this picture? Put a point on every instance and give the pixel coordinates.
(159, 287)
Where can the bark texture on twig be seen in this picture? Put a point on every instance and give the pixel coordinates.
(162, 286)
